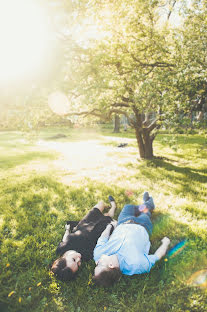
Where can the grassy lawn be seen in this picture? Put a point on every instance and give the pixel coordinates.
(45, 181)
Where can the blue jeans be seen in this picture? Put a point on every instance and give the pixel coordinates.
(131, 212)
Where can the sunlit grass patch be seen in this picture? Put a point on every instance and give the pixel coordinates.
(7, 162)
(197, 209)
(16, 150)
(34, 206)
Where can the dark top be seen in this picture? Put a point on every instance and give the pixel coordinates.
(84, 236)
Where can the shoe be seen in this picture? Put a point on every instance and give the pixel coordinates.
(145, 197)
(111, 198)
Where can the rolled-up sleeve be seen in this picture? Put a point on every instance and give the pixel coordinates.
(152, 259)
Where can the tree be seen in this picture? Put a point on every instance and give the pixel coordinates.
(190, 42)
(116, 124)
(127, 72)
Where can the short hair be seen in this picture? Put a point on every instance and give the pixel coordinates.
(107, 277)
(62, 271)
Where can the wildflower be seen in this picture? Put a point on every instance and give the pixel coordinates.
(165, 259)
(129, 193)
(11, 293)
(30, 288)
(38, 284)
(7, 265)
(20, 299)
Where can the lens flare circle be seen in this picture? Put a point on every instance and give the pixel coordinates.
(174, 251)
(58, 102)
(199, 279)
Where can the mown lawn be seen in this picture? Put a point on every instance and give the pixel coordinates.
(35, 203)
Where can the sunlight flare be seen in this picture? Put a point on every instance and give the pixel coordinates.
(59, 104)
(24, 38)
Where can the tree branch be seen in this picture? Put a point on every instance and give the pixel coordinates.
(103, 116)
(170, 12)
(120, 105)
(94, 112)
(152, 126)
(120, 112)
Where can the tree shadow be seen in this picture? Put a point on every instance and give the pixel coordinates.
(182, 179)
(186, 171)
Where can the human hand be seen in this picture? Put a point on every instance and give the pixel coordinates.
(114, 223)
(143, 208)
(67, 227)
(165, 241)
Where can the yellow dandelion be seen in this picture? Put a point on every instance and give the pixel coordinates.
(11, 293)
(7, 265)
(30, 288)
(165, 259)
(104, 308)
(38, 284)
(20, 299)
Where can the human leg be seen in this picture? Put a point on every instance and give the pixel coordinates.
(144, 219)
(148, 201)
(100, 205)
(67, 233)
(93, 215)
(111, 212)
(127, 212)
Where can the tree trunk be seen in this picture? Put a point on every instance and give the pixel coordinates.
(144, 141)
(143, 128)
(116, 124)
(200, 116)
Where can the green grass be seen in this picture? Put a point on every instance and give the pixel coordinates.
(35, 204)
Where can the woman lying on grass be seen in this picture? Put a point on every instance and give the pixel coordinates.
(80, 239)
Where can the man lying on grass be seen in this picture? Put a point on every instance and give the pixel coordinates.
(80, 239)
(127, 249)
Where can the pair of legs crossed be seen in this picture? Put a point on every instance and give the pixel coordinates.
(132, 212)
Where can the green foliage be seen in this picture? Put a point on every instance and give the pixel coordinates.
(119, 57)
(138, 65)
(34, 206)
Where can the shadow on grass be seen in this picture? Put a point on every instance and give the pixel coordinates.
(186, 171)
(184, 180)
(35, 212)
(134, 291)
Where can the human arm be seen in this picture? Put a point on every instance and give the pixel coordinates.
(161, 251)
(107, 232)
(102, 243)
(146, 262)
(67, 233)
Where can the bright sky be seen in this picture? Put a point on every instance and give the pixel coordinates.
(24, 35)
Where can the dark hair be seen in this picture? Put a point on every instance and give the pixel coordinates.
(107, 277)
(60, 269)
